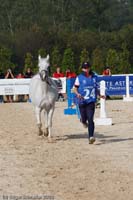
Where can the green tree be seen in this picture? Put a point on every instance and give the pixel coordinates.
(84, 57)
(42, 52)
(5, 59)
(98, 9)
(112, 61)
(68, 60)
(29, 62)
(28, 25)
(124, 59)
(97, 60)
(18, 14)
(55, 58)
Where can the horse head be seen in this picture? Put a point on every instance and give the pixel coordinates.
(43, 64)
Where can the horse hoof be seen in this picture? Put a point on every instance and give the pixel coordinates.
(40, 133)
(46, 132)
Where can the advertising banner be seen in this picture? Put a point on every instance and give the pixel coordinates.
(116, 85)
(21, 86)
(14, 86)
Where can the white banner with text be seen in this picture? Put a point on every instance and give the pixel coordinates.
(21, 86)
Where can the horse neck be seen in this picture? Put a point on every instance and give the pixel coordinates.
(45, 87)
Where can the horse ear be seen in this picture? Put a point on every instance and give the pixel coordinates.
(47, 57)
(39, 57)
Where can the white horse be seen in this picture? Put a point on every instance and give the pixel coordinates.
(43, 95)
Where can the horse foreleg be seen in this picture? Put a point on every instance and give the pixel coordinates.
(50, 116)
(46, 133)
(48, 122)
(38, 117)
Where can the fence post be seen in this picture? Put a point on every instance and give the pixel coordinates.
(70, 110)
(103, 120)
(127, 97)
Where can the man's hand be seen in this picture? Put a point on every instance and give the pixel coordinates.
(79, 96)
(102, 96)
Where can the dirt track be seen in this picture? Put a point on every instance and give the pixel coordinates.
(69, 169)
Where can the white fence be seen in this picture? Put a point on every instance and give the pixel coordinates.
(14, 86)
(21, 86)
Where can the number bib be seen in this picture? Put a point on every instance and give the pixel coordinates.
(87, 88)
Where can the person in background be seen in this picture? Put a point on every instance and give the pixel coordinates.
(20, 98)
(70, 74)
(9, 75)
(20, 75)
(2, 76)
(28, 73)
(58, 74)
(86, 90)
(106, 71)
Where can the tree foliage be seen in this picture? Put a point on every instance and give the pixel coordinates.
(124, 59)
(94, 25)
(28, 61)
(5, 59)
(55, 58)
(68, 60)
(112, 60)
(97, 60)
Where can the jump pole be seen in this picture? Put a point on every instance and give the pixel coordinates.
(127, 97)
(103, 120)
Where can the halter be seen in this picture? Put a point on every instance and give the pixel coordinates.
(45, 79)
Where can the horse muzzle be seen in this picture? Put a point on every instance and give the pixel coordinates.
(44, 75)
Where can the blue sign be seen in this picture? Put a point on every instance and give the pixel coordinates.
(131, 84)
(115, 85)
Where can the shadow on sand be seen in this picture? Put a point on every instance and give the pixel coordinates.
(102, 139)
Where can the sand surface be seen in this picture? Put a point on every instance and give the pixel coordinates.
(70, 169)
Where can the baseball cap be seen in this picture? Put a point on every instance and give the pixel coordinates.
(86, 65)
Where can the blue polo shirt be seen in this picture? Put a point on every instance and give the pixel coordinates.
(87, 88)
